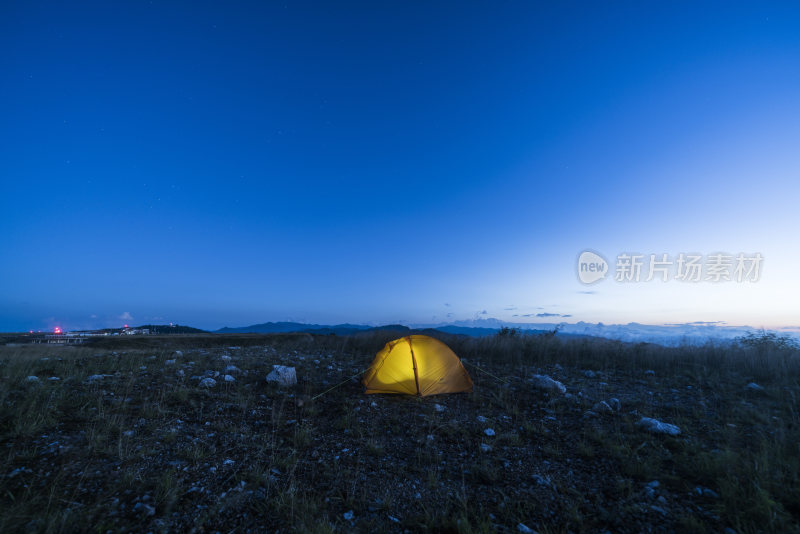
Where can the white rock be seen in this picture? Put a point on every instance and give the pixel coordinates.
(226, 357)
(178, 353)
(181, 372)
(228, 462)
(282, 375)
(542, 481)
(16, 471)
(489, 432)
(752, 386)
(589, 374)
(525, 529)
(656, 426)
(32, 379)
(93, 378)
(169, 362)
(602, 407)
(207, 382)
(229, 378)
(146, 508)
(54, 379)
(480, 419)
(232, 369)
(546, 383)
(485, 447)
(650, 372)
(349, 515)
(438, 407)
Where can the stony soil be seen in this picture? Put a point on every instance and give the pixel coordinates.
(143, 447)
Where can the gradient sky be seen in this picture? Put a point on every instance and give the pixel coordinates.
(233, 163)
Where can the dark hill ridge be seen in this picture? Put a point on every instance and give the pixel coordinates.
(349, 329)
(284, 327)
(170, 329)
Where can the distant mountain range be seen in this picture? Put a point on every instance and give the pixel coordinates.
(346, 329)
(669, 334)
(282, 327)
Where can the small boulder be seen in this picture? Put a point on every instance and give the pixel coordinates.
(95, 378)
(658, 427)
(282, 375)
(546, 383)
(752, 386)
(229, 378)
(32, 379)
(207, 382)
(144, 508)
(602, 407)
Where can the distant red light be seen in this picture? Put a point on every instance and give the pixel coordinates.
(57, 330)
(126, 326)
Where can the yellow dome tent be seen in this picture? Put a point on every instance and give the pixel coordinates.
(417, 365)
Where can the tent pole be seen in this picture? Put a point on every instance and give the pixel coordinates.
(414, 363)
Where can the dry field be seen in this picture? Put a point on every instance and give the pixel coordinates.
(121, 437)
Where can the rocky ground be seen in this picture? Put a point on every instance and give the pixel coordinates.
(141, 440)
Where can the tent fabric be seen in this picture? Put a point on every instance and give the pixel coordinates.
(417, 365)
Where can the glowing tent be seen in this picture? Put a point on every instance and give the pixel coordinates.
(417, 365)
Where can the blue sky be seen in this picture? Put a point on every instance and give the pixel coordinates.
(214, 164)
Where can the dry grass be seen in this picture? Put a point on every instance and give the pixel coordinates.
(144, 448)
